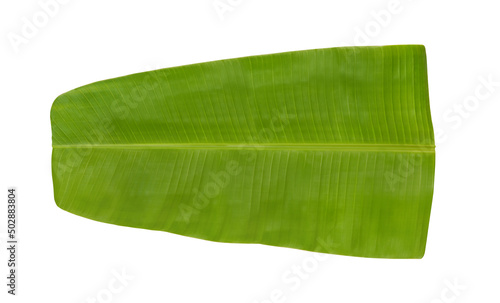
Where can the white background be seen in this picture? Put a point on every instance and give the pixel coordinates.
(66, 258)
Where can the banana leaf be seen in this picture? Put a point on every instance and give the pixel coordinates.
(326, 150)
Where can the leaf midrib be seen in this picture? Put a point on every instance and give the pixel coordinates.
(274, 146)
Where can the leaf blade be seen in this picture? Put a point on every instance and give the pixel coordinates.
(309, 143)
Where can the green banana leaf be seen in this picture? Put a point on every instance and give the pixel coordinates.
(325, 150)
